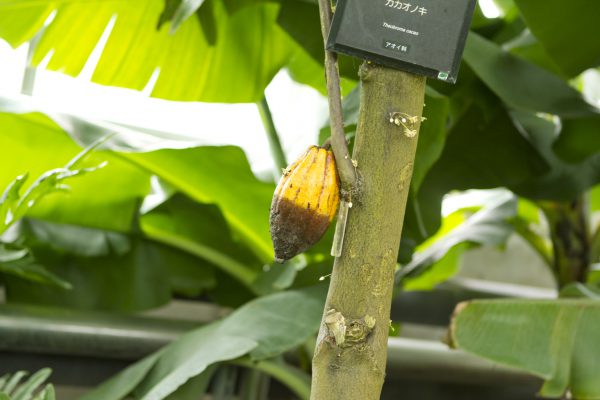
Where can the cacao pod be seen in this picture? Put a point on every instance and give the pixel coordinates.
(304, 203)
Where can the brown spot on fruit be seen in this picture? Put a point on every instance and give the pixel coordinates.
(295, 229)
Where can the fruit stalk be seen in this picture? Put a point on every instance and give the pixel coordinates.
(346, 170)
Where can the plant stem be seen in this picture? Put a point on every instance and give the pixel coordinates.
(250, 385)
(571, 242)
(28, 83)
(348, 176)
(274, 142)
(296, 380)
(595, 245)
(350, 357)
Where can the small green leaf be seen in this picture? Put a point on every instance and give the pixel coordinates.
(49, 182)
(9, 201)
(36, 380)
(48, 393)
(13, 381)
(3, 379)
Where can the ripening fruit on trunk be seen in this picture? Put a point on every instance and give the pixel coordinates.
(304, 203)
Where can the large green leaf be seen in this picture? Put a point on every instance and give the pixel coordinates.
(579, 139)
(113, 272)
(437, 259)
(527, 87)
(190, 356)
(76, 240)
(106, 199)
(566, 30)
(523, 85)
(264, 327)
(432, 136)
(19, 25)
(247, 50)
(563, 181)
(123, 383)
(39, 142)
(483, 150)
(220, 176)
(183, 224)
(527, 46)
(555, 340)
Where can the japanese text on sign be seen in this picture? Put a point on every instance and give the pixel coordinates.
(395, 46)
(406, 7)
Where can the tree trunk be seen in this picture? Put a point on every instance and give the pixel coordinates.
(350, 356)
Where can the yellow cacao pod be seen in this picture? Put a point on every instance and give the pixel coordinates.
(304, 203)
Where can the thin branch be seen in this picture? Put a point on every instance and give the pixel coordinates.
(272, 136)
(345, 167)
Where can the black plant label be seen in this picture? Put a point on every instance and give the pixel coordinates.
(426, 37)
